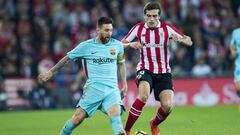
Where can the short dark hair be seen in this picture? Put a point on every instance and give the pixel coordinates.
(152, 5)
(104, 20)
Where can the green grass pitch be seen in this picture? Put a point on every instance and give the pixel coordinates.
(217, 120)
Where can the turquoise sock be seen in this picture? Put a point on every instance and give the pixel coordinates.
(116, 124)
(68, 128)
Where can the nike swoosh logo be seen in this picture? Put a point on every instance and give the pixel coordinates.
(93, 52)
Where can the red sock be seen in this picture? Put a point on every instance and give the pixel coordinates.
(160, 117)
(134, 113)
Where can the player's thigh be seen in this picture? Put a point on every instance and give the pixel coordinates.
(91, 100)
(162, 82)
(111, 103)
(144, 82)
(166, 97)
(237, 77)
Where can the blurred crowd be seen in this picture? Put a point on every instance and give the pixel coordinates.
(35, 34)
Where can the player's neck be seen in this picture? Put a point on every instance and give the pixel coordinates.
(153, 27)
(102, 41)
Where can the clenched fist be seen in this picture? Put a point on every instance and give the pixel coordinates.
(44, 77)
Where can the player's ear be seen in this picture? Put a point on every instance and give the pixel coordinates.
(97, 29)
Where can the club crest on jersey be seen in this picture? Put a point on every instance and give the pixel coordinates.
(112, 51)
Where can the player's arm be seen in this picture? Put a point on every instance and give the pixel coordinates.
(123, 78)
(122, 70)
(233, 50)
(136, 45)
(132, 34)
(178, 36)
(123, 74)
(78, 80)
(49, 74)
(184, 39)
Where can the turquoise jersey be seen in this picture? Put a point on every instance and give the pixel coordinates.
(99, 61)
(236, 42)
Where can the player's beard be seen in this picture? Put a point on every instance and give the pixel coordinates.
(104, 40)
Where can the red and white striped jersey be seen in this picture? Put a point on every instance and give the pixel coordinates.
(154, 55)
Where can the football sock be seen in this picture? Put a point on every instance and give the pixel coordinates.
(116, 124)
(134, 113)
(160, 117)
(68, 128)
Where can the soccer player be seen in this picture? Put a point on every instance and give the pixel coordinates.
(235, 50)
(154, 72)
(102, 57)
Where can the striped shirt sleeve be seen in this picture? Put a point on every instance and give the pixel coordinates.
(174, 30)
(132, 34)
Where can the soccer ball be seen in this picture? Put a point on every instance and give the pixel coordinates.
(139, 132)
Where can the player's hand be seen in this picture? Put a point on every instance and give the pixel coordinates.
(175, 38)
(234, 54)
(124, 92)
(186, 39)
(74, 86)
(44, 77)
(135, 45)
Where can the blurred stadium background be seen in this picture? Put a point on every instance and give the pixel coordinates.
(35, 34)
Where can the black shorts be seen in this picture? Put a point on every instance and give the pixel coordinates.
(158, 82)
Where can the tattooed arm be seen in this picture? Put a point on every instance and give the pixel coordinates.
(49, 74)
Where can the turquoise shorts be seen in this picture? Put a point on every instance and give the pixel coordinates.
(99, 98)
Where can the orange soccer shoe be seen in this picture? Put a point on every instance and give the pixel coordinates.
(154, 129)
(127, 132)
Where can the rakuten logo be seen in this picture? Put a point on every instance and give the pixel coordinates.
(103, 60)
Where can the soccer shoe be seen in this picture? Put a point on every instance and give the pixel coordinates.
(121, 132)
(154, 129)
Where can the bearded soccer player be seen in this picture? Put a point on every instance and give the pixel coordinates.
(101, 57)
(154, 72)
(235, 50)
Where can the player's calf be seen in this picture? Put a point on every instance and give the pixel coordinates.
(67, 128)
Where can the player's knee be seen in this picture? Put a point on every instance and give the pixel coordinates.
(113, 113)
(167, 107)
(78, 117)
(114, 110)
(144, 97)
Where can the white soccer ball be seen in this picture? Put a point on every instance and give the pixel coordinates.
(139, 132)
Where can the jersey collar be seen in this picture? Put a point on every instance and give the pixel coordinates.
(108, 43)
(158, 26)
